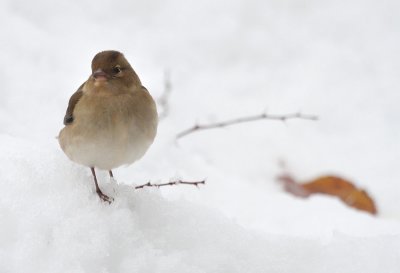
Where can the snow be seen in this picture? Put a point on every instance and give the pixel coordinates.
(336, 59)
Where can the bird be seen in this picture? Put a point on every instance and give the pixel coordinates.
(111, 120)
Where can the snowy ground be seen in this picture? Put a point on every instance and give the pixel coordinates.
(336, 59)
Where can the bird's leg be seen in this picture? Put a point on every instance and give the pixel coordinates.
(111, 176)
(98, 191)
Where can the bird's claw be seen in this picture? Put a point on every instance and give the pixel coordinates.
(105, 198)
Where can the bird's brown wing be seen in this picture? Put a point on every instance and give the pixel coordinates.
(69, 115)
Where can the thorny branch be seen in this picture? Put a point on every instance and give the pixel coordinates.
(221, 124)
(172, 183)
(163, 100)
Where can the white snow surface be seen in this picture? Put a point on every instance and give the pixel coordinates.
(337, 59)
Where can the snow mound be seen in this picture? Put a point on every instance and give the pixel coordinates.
(52, 221)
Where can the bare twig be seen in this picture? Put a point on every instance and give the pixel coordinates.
(172, 183)
(221, 124)
(163, 100)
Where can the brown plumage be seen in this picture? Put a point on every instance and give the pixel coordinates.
(111, 120)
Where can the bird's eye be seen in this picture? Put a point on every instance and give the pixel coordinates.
(116, 69)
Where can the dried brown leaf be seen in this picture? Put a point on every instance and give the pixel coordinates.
(334, 186)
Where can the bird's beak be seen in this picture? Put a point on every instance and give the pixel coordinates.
(100, 75)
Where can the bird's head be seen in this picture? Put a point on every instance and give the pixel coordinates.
(112, 69)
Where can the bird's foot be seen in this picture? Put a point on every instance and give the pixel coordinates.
(104, 197)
